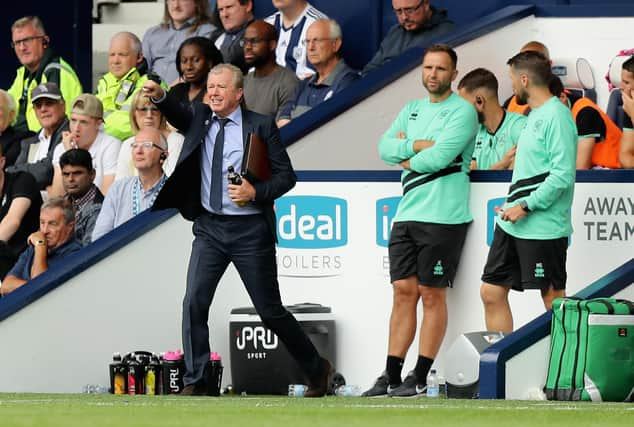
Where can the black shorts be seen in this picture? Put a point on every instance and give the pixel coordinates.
(526, 263)
(429, 251)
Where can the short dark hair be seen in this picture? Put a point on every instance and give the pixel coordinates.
(440, 47)
(535, 64)
(76, 157)
(480, 78)
(206, 46)
(629, 65)
(555, 86)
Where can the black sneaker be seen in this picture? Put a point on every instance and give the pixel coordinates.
(409, 387)
(381, 387)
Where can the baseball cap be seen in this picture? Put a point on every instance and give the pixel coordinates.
(88, 105)
(48, 90)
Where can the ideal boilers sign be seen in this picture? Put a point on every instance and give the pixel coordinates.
(385, 211)
(312, 232)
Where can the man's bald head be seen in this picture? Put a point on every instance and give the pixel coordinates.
(535, 46)
(264, 29)
(259, 42)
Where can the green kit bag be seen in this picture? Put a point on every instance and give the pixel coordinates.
(591, 350)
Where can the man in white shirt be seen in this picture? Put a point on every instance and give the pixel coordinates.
(132, 195)
(36, 152)
(86, 118)
(291, 22)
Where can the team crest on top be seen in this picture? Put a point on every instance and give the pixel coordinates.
(443, 114)
(413, 116)
(537, 126)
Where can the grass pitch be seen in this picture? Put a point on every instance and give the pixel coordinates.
(70, 410)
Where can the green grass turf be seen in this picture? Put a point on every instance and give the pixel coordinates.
(70, 410)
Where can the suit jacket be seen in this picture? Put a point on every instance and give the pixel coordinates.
(182, 189)
(234, 53)
(41, 169)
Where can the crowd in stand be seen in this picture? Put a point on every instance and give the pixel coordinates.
(50, 126)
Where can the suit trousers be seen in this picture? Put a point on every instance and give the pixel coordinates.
(247, 242)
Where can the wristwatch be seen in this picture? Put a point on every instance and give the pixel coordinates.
(40, 242)
(524, 206)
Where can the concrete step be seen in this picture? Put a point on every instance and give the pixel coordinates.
(149, 13)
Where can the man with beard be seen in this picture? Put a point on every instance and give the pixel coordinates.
(531, 235)
(268, 86)
(418, 23)
(495, 143)
(432, 140)
(511, 103)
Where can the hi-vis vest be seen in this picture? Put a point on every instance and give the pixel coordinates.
(116, 97)
(514, 107)
(605, 153)
(57, 71)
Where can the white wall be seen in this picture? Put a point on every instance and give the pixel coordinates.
(131, 300)
(351, 139)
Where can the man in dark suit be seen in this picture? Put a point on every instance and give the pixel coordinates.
(232, 223)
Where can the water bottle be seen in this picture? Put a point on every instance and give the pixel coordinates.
(136, 376)
(296, 390)
(153, 376)
(233, 176)
(348, 390)
(213, 374)
(173, 371)
(442, 386)
(94, 389)
(117, 375)
(432, 384)
(235, 179)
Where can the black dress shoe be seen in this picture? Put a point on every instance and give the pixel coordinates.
(318, 386)
(193, 390)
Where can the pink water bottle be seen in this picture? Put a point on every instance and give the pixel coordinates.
(213, 374)
(173, 372)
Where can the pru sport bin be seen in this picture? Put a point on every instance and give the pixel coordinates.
(260, 363)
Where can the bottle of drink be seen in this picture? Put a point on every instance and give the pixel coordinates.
(134, 374)
(235, 179)
(153, 376)
(213, 374)
(442, 386)
(173, 370)
(95, 389)
(348, 390)
(296, 390)
(432, 384)
(117, 375)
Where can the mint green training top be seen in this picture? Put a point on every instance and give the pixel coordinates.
(491, 147)
(436, 189)
(544, 174)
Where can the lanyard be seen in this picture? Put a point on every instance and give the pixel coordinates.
(136, 190)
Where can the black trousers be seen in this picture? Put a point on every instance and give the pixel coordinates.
(246, 241)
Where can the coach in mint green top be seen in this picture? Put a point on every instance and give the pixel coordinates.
(544, 174)
(436, 189)
(491, 147)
